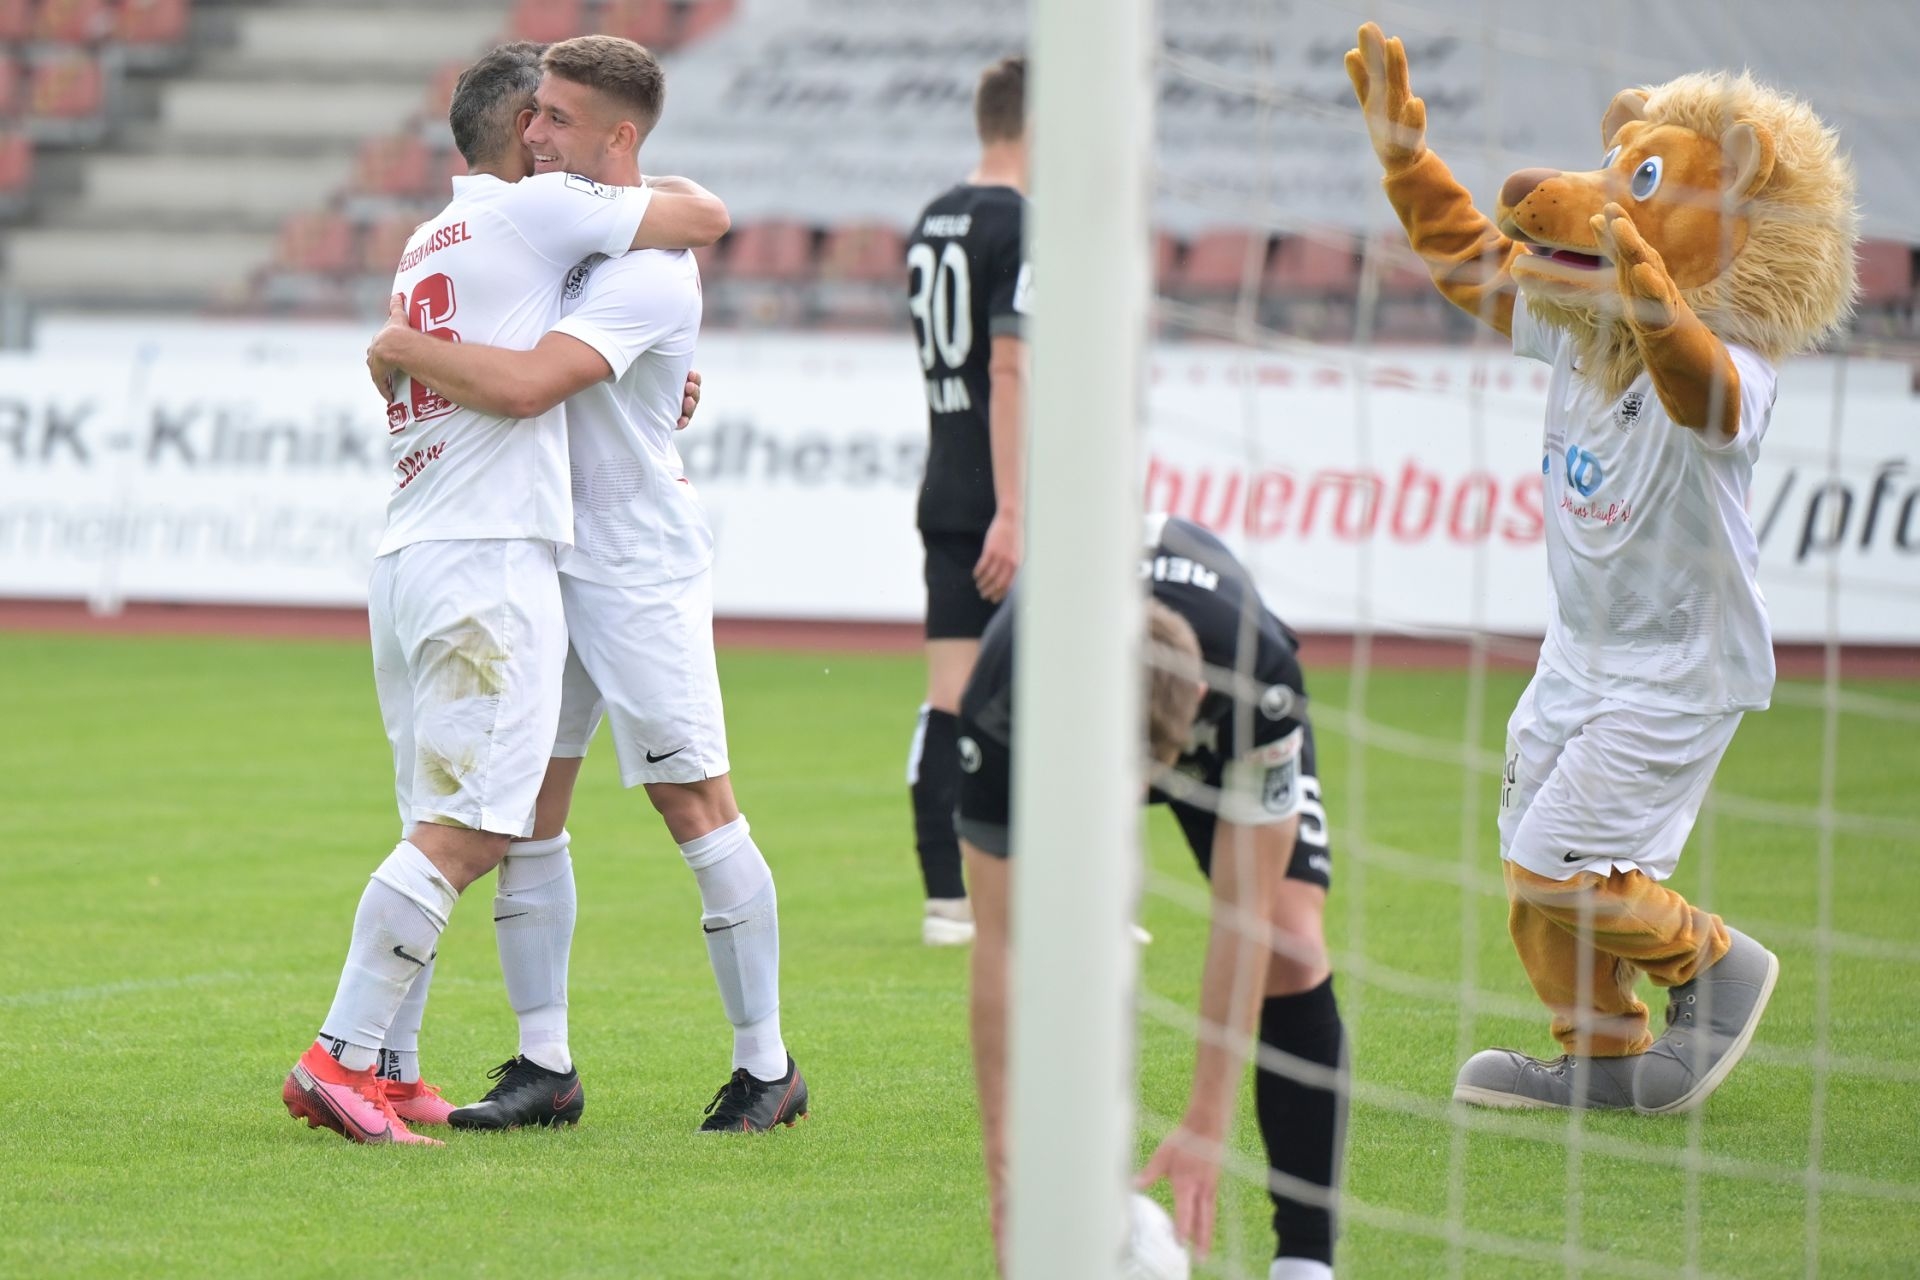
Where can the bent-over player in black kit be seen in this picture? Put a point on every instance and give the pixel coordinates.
(967, 283)
(1237, 768)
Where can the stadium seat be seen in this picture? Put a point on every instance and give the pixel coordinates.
(1315, 264)
(68, 85)
(1886, 273)
(712, 260)
(383, 243)
(771, 251)
(1166, 256)
(11, 82)
(315, 244)
(1217, 261)
(1402, 274)
(74, 21)
(16, 21)
(648, 22)
(702, 18)
(398, 165)
(547, 20)
(16, 172)
(152, 22)
(866, 252)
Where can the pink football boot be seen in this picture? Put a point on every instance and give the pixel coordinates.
(417, 1103)
(351, 1103)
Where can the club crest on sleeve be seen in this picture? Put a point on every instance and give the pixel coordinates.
(1627, 415)
(577, 278)
(581, 182)
(969, 756)
(1276, 793)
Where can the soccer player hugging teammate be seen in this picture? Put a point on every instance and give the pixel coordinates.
(1715, 237)
(469, 640)
(1233, 746)
(967, 291)
(637, 590)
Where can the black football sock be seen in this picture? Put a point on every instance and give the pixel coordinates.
(1303, 1125)
(936, 789)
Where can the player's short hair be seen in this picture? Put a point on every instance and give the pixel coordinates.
(489, 97)
(1000, 102)
(624, 71)
(1174, 681)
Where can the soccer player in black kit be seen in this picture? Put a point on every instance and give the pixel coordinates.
(1228, 727)
(967, 284)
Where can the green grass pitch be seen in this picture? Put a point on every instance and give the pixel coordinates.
(190, 822)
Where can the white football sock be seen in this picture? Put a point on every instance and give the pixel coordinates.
(400, 1057)
(533, 915)
(1299, 1269)
(741, 919)
(395, 931)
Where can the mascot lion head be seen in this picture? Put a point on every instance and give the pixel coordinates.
(1741, 189)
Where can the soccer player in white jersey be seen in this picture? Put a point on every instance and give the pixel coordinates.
(1657, 636)
(469, 637)
(637, 589)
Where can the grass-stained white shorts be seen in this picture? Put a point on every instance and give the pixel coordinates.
(469, 642)
(1592, 784)
(642, 657)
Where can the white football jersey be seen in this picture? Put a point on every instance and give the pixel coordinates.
(1650, 549)
(487, 269)
(636, 518)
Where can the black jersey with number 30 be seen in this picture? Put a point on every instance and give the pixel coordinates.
(967, 282)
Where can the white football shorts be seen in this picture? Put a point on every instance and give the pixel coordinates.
(1592, 784)
(469, 642)
(643, 658)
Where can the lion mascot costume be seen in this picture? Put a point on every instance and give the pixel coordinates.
(1715, 239)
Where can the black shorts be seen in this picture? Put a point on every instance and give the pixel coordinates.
(985, 809)
(955, 608)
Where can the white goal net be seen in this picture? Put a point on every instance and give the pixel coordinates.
(1374, 457)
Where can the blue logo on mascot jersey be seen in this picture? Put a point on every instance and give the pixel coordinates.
(1583, 471)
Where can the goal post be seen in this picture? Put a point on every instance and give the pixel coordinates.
(1076, 814)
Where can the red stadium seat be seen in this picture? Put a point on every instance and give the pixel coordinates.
(1217, 261)
(771, 251)
(316, 243)
(74, 21)
(702, 18)
(547, 20)
(152, 22)
(864, 252)
(11, 84)
(399, 165)
(16, 20)
(1166, 254)
(1316, 263)
(16, 163)
(383, 243)
(1886, 273)
(648, 22)
(447, 167)
(67, 86)
(1402, 274)
(712, 262)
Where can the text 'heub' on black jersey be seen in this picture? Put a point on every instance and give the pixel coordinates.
(967, 282)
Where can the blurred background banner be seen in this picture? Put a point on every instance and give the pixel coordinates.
(208, 464)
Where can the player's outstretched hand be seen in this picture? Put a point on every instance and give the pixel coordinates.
(999, 559)
(379, 368)
(1648, 294)
(1396, 120)
(689, 400)
(1185, 1161)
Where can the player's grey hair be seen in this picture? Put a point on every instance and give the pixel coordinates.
(489, 97)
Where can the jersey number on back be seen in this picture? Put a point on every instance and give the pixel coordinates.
(429, 308)
(941, 303)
